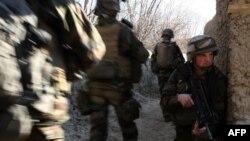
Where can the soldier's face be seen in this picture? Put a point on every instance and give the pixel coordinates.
(204, 60)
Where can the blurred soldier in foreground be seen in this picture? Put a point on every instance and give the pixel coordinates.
(74, 46)
(110, 81)
(167, 55)
(54, 47)
(195, 94)
(15, 122)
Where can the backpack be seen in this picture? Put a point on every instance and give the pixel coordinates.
(165, 55)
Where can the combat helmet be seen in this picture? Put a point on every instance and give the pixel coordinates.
(105, 6)
(201, 44)
(168, 32)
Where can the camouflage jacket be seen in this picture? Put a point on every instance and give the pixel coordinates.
(214, 83)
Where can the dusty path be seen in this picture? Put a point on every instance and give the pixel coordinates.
(150, 125)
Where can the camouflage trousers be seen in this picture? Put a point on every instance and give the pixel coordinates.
(49, 133)
(100, 100)
(162, 80)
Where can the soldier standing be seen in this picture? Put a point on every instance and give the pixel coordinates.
(207, 80)
(110, 81)
(167, 55)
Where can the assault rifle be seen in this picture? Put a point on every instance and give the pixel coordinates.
(207, 117)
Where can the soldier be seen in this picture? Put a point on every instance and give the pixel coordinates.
(110, 81)
(167, 55)
(16, 17)
(197, 75)
(72, 46)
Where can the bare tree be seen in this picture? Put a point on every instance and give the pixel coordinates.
(151, 17)
(88, 7)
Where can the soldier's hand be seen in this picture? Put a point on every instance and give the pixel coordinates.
(185, 100)
(198, 131)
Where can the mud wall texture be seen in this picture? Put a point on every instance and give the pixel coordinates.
(231, 27)
(218, 29)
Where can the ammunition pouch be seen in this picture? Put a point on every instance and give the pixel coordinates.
(104, 70)
(131, 110)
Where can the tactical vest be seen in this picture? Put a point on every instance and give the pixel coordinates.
(110, 35)
(165, 55)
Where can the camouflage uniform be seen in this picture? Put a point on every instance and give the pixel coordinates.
(122, 48)
(214, 84)
(52, 65)
(33, 57)
(163, 74)
(15, 120)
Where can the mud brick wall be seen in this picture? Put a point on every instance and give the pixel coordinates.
(231, 29)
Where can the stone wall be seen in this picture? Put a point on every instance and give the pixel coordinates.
(231, 27)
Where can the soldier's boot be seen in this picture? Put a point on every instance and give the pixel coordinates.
(129, 131)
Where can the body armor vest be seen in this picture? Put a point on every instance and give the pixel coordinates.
(165, 57)
(110, 35)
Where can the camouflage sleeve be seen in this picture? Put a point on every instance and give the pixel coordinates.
(131, 46)
(177, 84)
(169, 92)
(125, 41)
(154, 66)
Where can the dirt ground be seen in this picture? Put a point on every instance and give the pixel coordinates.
(150, 125)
